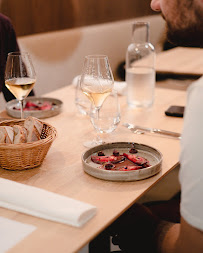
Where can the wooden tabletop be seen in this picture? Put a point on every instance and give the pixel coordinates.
(180, 60)
(62, 171)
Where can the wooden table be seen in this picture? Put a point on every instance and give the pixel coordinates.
(188, 61)
(62, 171)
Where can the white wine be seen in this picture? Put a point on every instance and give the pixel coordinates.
(20, 87)
(97, 97)
(97, 90)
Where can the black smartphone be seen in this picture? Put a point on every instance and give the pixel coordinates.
(175, 111)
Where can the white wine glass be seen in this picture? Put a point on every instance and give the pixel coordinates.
(20, 76)
(107, 120)
(96, 80)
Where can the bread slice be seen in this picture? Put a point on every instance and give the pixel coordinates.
(6, 135)
(10, 134)
(34, 129)
(2, 135)
(20, 134)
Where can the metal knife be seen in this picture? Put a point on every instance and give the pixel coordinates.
(135, 128)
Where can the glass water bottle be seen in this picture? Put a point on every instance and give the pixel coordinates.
(140, 68)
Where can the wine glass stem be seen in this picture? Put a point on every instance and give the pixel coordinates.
(21, 109)
(98, 138)
(97, 113)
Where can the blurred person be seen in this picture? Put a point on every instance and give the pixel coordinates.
(8, 43)
(184, 21)
(143, 228)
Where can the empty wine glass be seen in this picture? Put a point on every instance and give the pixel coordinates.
(20, 76)
(107, 120)
(96, 80)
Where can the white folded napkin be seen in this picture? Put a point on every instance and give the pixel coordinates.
(44, 204)
(120, 87)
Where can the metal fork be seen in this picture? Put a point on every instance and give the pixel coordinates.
(140, 129)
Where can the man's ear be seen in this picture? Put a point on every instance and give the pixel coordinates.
(155, 5)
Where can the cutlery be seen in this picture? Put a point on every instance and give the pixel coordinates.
(135, 128)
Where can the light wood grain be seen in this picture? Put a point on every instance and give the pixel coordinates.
(181, 60)
(62, 171)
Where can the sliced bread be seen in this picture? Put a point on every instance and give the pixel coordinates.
(34, 129)
(2, 135)
(20, 134)
(7, 134)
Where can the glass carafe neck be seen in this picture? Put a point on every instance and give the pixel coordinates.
(140, 32)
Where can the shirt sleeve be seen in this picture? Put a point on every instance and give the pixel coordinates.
(8, 44)
(191, 158)
(12, 40)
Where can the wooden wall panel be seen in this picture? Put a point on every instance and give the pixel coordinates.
(36, 16)
(100, 11)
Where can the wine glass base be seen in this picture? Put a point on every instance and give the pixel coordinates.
(94, 143)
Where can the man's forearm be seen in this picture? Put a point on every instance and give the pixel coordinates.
(166, 236)
(179, 238)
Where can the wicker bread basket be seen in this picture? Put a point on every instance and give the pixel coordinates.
(26, 155)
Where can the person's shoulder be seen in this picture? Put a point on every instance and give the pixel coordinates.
(5, 21)
(198, 84)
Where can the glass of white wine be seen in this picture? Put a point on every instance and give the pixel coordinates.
(96, 81)
(20, 76)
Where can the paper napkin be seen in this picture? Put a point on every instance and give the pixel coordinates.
(12, 232)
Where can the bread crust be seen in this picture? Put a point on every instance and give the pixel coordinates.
(30, 132)
(34, 129)
(2, 135)
(20, 134)
(7, 134)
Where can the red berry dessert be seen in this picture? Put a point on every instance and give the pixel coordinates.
(120, 162)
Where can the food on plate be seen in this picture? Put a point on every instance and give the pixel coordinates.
(36, 106)
(120, 162)
(105, 159)
(136, 159)
(133, 151)
(30, 132)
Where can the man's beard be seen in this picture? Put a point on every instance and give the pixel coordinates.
(188, 30)
(188, 37)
